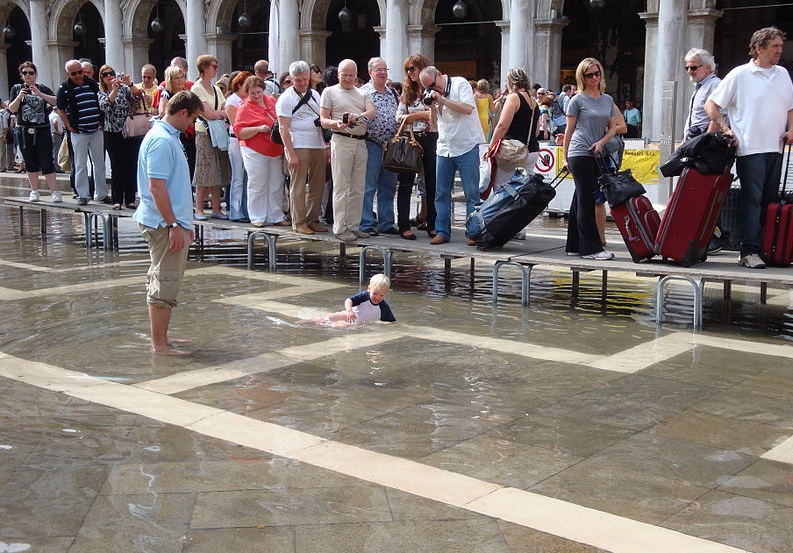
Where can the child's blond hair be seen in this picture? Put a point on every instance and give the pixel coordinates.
(380, 283)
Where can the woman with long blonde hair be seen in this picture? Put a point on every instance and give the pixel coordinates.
(592, 120)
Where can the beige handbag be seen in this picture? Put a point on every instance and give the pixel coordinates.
(64, 161)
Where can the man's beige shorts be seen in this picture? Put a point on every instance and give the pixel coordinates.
(164, 279)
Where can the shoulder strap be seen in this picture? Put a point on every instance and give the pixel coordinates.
(531, 120)
(303, 100)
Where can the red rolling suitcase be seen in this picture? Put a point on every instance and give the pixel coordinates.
(778, 226)
(638, 222)
(691, 215)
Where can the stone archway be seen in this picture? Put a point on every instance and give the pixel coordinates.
(142, 45)
(15, 50)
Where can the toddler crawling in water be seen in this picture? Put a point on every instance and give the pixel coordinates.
(363, 307)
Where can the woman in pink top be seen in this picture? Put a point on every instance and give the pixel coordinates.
(263, 158)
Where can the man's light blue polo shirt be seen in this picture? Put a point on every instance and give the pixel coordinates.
(162, 156)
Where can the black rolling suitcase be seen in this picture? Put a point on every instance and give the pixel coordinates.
(515, 205)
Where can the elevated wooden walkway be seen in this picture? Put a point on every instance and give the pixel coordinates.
(537, 250)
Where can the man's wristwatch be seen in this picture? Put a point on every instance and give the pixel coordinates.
(174, 225)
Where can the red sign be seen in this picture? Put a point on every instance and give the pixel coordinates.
(545, 161)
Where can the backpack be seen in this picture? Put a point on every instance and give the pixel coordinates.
(558, 110)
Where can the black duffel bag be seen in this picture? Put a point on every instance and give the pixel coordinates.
(710, 153)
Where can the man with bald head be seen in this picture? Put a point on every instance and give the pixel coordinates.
(78, 108)
(346, 111)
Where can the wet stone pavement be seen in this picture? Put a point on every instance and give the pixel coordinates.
(568, 427)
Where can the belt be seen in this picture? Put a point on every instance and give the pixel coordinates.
(30, 129)
(348, 135)
(424, 133)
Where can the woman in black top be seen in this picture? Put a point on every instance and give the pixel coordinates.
(518, 121)
(32, 103)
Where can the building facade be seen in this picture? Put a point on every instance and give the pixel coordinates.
(473, 38)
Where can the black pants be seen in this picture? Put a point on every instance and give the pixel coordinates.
(36, 149)
(582, 231)
(404, 192)
(123, 154)
(429, 141)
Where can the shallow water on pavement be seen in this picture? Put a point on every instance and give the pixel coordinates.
(549, 398)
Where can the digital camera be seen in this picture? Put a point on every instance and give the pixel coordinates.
(427, 98)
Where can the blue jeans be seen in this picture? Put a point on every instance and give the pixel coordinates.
(759, 174)
(382, 183)
(468, 166)
(238, 187)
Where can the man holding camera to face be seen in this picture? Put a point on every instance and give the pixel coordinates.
(346, 112)
(459, 136)
(304, 148)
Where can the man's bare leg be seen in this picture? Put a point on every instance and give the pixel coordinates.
(160, 318)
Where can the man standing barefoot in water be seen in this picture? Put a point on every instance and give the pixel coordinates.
(165, 214)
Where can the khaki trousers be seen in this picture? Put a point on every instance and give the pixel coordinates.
(306, 185)
(348, 163)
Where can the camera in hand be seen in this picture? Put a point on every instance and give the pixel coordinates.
(317, 123)
(346, 120)
(427, 98)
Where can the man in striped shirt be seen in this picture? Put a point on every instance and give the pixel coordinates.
(78, 108)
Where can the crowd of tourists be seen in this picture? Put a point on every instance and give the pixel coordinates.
(306, 148)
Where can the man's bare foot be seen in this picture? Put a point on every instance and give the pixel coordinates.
(170, 351)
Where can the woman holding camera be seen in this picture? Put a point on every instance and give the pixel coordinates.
(31, 103)
(117, 100)
(262, 157)
(420, 116)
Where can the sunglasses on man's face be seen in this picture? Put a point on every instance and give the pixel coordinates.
(28, 72)
(75, 73)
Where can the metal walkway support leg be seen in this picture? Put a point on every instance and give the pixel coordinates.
(698, 286)
(21, 220)
(525, 271)
(385, 252)
(91, 218)
(271, 240)
(43, 222)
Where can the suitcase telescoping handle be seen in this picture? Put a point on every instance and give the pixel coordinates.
(557, 180)
(787, 168)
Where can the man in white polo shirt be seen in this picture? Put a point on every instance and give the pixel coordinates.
(758, 97)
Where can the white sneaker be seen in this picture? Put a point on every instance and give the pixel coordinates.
(34, 196)
(752, 261)
(599, 256)
(56, 197)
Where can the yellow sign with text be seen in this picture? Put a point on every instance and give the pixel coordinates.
(642, 163)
